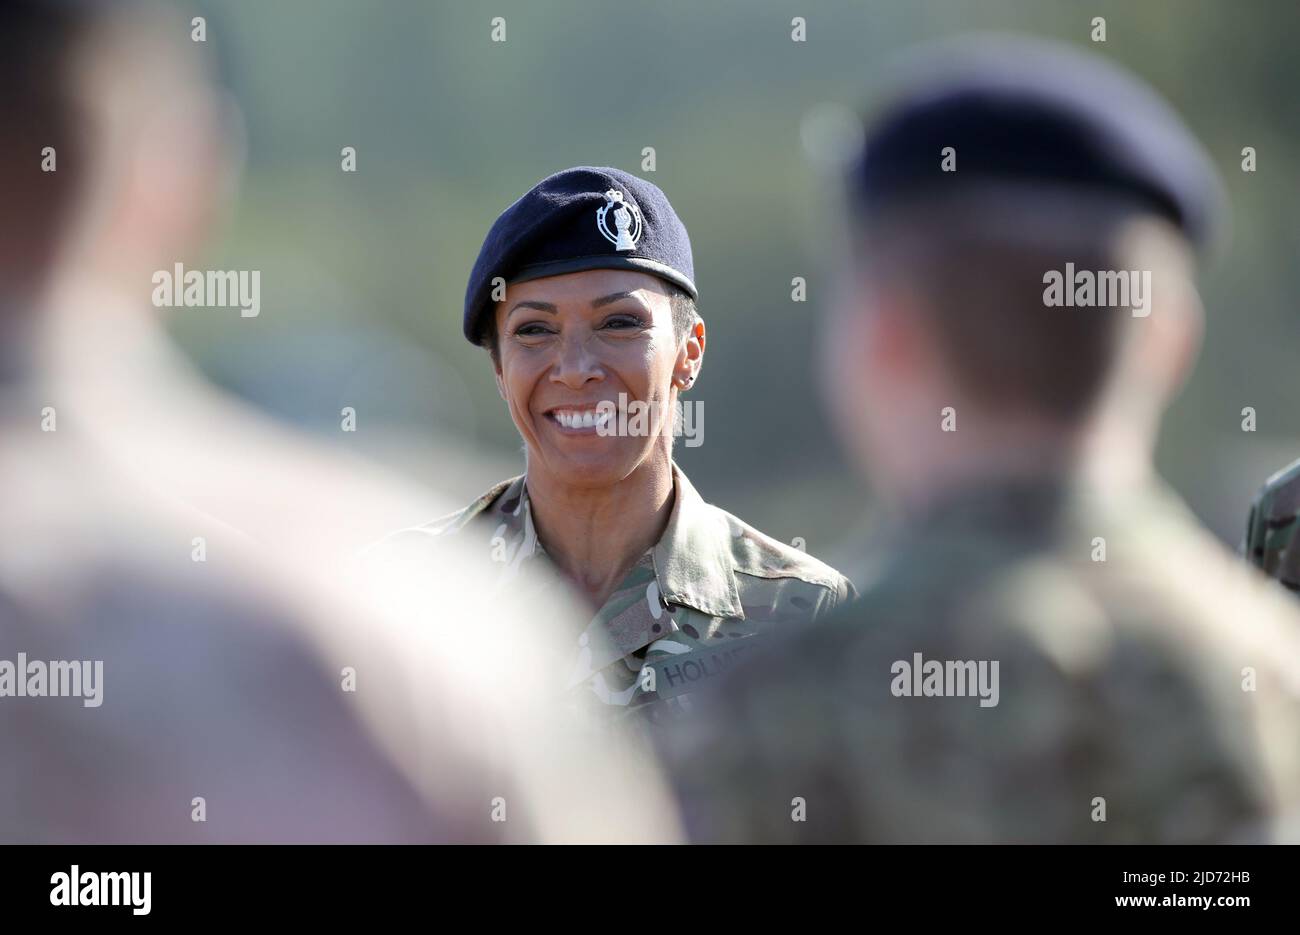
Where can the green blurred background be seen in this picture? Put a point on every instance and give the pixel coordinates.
(363, 273)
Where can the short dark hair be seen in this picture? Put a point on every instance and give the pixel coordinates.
(684, 315)
(977, 262)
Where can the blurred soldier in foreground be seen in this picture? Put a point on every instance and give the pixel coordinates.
(1053, 650)
(162, 679)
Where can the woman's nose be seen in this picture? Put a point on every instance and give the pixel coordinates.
(576, 365)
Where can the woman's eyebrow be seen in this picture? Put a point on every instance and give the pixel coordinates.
(528, 303)
(612, 298)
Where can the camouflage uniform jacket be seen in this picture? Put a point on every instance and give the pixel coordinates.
(682, 615)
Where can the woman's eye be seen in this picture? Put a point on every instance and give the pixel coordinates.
(624, 321)
(531, 330)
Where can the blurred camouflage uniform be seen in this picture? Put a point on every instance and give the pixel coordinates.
(684, 613)
(1271, 528)
(1123, 679)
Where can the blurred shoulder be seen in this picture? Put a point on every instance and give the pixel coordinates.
(449, 525)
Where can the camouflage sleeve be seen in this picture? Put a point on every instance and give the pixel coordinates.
(1271, 527)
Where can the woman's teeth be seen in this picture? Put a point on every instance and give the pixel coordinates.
(588, 419)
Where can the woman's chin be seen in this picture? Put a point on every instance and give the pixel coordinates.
(589, 466)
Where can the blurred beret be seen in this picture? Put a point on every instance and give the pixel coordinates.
(579, 219)
(1017, 109)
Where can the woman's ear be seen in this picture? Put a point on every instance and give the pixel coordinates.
(690, 358)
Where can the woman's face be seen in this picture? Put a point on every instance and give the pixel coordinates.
(571, 343)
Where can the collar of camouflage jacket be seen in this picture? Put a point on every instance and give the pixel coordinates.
(693, 563)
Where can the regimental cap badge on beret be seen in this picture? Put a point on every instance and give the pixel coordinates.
(626, 229)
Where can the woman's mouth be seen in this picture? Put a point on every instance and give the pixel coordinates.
(584, 421)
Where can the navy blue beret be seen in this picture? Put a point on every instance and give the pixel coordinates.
(1017, 109)
(579, 219)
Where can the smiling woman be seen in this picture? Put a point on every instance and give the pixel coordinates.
(598, 317)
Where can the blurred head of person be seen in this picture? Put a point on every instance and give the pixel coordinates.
(564, 347)
(161, 142)
(1005, 175)
(121, 153)
(42, 166)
